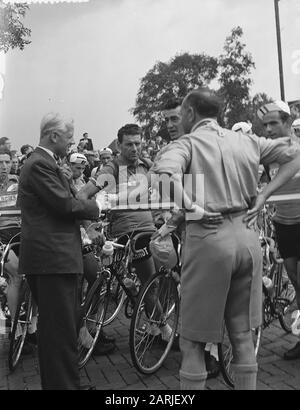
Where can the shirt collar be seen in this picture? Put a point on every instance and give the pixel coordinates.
(48, 151)
(203, 122)
(51, 153)
(123, 162)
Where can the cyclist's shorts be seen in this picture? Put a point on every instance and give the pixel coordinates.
(288, 238)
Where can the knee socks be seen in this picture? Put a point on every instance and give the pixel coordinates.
(190, 381)
(244, 376)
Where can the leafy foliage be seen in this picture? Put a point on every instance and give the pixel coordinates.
(235, 69)
(186, 72)
(13, 34)
(176, 78)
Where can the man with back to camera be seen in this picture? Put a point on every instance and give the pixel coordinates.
(172, 115)
(229, 162)
(50, 251)
(276, 118)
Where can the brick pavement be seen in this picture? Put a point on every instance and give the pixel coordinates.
(116, 372)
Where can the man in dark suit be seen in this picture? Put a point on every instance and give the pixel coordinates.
(50, 252)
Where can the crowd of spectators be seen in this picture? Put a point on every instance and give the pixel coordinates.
(96, 158)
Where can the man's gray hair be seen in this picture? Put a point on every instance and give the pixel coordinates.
(55, 122)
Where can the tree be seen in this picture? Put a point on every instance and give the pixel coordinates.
(235, 69)
(12, 31)
(175, 78)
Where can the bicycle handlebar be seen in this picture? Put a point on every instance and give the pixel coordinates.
(155, 206)
(13, 212)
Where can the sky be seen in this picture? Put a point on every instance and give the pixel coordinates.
(86, 59)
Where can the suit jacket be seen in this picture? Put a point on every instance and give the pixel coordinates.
(50, 232)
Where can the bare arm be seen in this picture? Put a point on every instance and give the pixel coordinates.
(285, 173)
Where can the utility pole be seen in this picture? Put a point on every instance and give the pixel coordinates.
(279, 49)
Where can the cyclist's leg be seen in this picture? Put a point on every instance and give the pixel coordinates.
(292, 267)
(14, 282)
(145, 268)
(90, 270)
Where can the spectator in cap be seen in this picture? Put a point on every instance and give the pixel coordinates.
(105, 156)
(244, 127)
(77, 163)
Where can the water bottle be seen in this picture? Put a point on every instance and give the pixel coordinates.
(107, 253)
(130, 285)
(3, 284)
(268, 284)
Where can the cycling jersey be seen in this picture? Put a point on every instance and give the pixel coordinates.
(8, 199)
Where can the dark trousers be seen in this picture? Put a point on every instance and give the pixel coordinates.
(57, 298)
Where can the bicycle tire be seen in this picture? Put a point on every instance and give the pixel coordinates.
(91, 320)
(284, 299)
(20, 324)
(148, 351)
(225, 354)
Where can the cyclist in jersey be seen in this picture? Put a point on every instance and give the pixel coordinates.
(276, 118)
(122, 176)
(74, 173)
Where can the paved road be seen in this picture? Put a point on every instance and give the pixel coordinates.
(116, 372)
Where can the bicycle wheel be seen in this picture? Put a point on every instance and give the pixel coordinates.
(225, 354)
(157, 306)
(285, 298)
(92, 319)
(21, 322)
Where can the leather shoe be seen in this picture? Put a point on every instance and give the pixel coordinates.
(212, 366)
(102, 349)
(31, 338)
(293, 353)
(87, 387)
(175, 344)
(104, 338)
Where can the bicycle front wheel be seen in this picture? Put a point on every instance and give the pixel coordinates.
(226, 356)
(92, 319)
(285, 298)
(21, 322)
(157, 309)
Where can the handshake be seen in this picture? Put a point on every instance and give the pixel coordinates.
(106, 201)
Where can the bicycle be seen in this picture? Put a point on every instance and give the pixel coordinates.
(278, 302)
(108, 294)
(22, 319)
(156, 307)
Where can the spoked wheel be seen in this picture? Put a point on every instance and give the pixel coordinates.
(92, 319)
(21, 322)
(285, 300)
(225, 354)
(157, 309)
